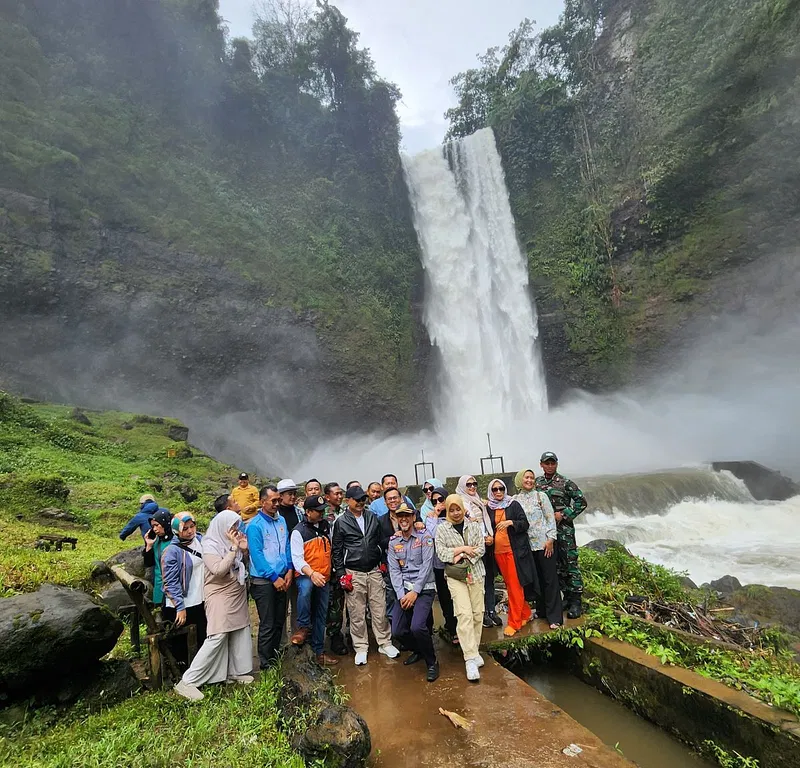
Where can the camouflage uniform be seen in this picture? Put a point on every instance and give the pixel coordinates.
(568, 499)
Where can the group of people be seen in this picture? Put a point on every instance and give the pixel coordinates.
(348, 556)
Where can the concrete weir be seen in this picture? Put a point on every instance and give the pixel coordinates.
(513, 725)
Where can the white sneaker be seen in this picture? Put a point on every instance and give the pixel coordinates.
(361, 658)
(472, 670)
(389, 650)
(479, 662)
(191, 692)
(243, 679)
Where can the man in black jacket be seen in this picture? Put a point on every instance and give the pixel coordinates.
(357, 557)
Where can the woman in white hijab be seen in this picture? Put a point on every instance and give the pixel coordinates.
(227, 653)
(467, 489)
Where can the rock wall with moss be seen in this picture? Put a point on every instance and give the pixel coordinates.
(651, 152)
(194, 223)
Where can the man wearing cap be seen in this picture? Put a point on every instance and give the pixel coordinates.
(288, 507)
(271, 573)
(246, 496)
(568, 502)
(410, 559)
(141, 520)
(311, 557)
(356, 561)
(379, 506)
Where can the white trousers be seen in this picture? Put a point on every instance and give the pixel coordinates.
(220, 657)
(468, 608)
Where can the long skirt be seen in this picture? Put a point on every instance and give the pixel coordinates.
(221, 657)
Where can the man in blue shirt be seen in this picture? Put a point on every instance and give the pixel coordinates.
(141, 520)
(379, 507)
(271, 573)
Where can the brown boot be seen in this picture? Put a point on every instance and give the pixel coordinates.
(300, 637)
(327, 661)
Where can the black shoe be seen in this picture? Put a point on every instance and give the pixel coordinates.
(412, 659)
(487, 621)
(575, 609)
(338, 644)
(433, 672)
(496, 620)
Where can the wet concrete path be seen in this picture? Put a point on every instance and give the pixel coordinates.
(514, 725)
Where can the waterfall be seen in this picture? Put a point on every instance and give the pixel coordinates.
(478, 309)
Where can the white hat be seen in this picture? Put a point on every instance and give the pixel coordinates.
(146, 497)
(287, 485)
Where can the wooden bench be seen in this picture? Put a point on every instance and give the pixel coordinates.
(47, 540)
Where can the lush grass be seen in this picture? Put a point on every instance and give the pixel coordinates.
(233, 725)
(97, 473)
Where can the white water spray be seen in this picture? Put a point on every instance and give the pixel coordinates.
(478, 309)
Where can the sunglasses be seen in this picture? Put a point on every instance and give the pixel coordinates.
(472, 485)
(437, 499)
(427, 488)
(498, 489)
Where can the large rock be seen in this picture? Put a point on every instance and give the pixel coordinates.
(727, 585)
(762, 482)
(768, 605)
(179, 434)
(116, 598)
(603, 545)
(334, 734)
(50, 636)
(131, 560)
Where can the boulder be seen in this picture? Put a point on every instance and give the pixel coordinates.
(762, 482)
(768, 605)
(131, 560)
(333, 734)
(726, 585)
(115, 598)
(54, 513)
(78, 415)
(49, 636)
(188, 493)
(101, 685)
(179, 434)
(126, 425)
(603, 545)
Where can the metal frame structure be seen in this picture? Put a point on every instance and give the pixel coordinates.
(491, 458)
(423, 464)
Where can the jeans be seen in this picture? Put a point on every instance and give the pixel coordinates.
(312, 610)
(445, 601)
(271, 607)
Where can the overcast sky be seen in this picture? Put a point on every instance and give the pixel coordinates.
(421, 44)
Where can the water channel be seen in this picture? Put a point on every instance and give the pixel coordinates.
(639, 740)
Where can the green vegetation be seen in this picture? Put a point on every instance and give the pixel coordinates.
(95, 472)
(647, 148)
(769, 673)
(275, 158)
(233, 725)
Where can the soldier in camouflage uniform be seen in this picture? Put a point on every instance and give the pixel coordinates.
(568, 502)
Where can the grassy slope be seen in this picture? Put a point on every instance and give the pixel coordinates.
(104, 467)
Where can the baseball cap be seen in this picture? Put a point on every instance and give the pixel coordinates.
(287, 485)
(244, 476)
(314, 502)
(404, 509)
(356, 492)
(146, 497)
(548, 456)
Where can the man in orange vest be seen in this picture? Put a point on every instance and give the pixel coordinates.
(311, 556)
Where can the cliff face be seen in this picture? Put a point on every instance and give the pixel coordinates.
(185, 228)
(654, 179)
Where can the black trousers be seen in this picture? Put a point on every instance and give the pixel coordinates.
(179, 645)
(271, 607)
(490, 565)
(548, 597)
(445, 601)
(412, 626)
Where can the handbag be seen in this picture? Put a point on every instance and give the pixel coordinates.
(458, 571)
